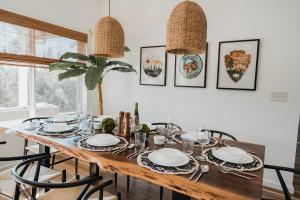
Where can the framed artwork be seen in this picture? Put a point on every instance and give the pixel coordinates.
(190, 70)
(153, 66)
(237, 64)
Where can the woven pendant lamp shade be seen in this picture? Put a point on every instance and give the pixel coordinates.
(187, 29)
(108, 38)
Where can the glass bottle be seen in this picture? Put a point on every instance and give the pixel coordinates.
(136, 115)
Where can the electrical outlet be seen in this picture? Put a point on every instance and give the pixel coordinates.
(279, 96)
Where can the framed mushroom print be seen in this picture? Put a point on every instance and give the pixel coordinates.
(237, 64)
(190, 70)
(153, 65)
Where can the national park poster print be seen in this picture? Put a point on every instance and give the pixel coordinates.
(153, 65)
(237, 64)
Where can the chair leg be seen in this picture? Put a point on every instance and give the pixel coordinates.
(24, 148)
(63, 176)
(53, 161)
(76, 166)
(116, 180)
(119, 195)
(128, 182)
(161, 193)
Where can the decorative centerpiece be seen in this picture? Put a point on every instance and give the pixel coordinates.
(94, 68)
(145, 129)
(108, 125)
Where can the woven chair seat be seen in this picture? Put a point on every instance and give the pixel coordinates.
(35, 149)
(7, 184)
(72, 194)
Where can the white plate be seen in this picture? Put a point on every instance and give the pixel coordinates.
(57, 128)
(233, 155)
(102, 140)
(168, 157)
(63, 118)
(192, 135)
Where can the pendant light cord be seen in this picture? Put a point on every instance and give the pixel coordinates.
(108, 7)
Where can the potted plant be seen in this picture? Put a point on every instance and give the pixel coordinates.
(94, 68)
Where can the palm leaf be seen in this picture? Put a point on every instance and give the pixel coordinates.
(70, 73)
(126, 49)
(98, 61)
(77, 56)
(92, 77)
(64, 65)
(120, 63)
(119, 69)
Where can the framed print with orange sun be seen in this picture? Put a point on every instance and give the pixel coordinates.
(153, 65)
(237, 64)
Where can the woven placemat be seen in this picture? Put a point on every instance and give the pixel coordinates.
(83, 145)
(177, 137)
(253, 166)
(189, 168)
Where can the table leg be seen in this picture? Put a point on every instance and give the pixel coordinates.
(179, 196)
(45, 149)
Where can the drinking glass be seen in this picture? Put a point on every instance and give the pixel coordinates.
(85, 124)
(188, 146)
(139, 136)
(171, 129)
(203, 138)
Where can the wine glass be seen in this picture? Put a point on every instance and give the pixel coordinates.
(203, 138)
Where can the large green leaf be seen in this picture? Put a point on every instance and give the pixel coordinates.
(120, 63)
(126, 49)
(70, 73)
(120, 69)
(64, 65)
(92, 77)
(77, 56)
(98, 61)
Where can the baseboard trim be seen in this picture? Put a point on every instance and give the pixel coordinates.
(276, 185)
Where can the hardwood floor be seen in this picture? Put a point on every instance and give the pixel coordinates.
(142, 190)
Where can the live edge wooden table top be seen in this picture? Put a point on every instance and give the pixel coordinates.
(213, 186)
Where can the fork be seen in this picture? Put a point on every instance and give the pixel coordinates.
(140, 152)
(136, 151)
(195, 172)
(234, 173)
(241, 172)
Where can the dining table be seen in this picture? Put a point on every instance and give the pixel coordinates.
(213, 185)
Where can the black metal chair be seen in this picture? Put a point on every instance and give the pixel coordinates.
(278, 169)
(165, 125)
(220, 134)
(75, 189)
(35, 148)
(7, 184)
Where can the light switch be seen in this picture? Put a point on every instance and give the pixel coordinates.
(279, 96)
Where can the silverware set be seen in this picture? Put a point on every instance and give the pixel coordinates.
(122, 149)
(138, 151)
(202, 170)
(240, 174)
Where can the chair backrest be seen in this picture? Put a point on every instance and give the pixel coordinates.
(278, 170)
(165, 125)
(35, 119)
(220, 134)
(19, 170)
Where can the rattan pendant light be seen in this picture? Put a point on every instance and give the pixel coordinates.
(108, 38)
(187, 29)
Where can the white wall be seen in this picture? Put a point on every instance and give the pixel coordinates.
(250, 116)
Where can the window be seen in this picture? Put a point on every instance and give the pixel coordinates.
(25, 51)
